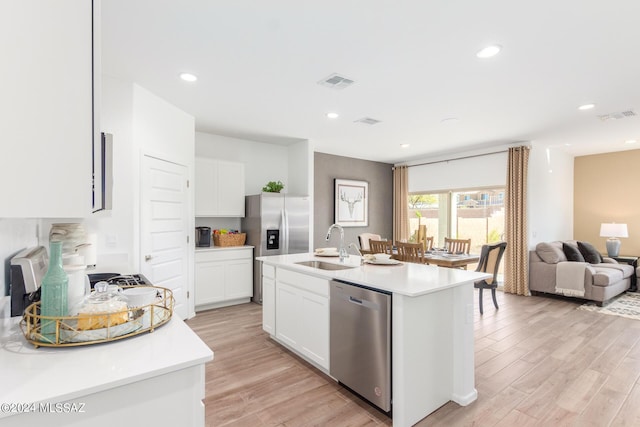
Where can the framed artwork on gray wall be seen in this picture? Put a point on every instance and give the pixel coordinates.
(351, 203)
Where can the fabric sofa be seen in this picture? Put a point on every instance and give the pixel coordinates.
(591, 277)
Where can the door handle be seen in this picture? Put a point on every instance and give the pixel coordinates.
(147, 257)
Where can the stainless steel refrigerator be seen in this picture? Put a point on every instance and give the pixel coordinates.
(276, 224)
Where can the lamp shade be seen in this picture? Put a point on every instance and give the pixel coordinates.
(613, 230)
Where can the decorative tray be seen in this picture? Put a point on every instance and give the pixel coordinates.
(68, 330)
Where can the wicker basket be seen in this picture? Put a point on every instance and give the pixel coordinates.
(237, 239)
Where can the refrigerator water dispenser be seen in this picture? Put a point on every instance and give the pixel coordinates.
(273, 239)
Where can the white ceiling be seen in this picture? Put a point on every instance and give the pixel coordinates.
(413, 63)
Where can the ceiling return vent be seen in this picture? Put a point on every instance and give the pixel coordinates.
(617, 116)
(367, 121)
(336, 81)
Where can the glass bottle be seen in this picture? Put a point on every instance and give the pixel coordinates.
(53, 301)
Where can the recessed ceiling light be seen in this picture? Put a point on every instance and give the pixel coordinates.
(630, 141)
(333, 115)
(188, 77)
(404, 145)
(586, 106)
(450, 120)
(489, 51)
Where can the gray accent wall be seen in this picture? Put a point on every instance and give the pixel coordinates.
(328, 167)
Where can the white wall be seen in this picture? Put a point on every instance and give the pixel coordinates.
(301, 169)
(262, 162)
(161, 130)
(115, 228)
(141, 123)
(550, 195)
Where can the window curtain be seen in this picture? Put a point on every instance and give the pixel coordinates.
(516, 268)
(400, 203)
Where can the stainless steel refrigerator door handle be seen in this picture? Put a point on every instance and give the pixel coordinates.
(285, 231)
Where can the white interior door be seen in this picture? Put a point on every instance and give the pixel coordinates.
(164, 228)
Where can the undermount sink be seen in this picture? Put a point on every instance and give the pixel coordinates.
(324, 265)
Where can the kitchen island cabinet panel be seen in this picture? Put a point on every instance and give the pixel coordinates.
(431, 320)
(46, 109)
(302, 316)
(314, 317)
(268, 305)
(288, 322)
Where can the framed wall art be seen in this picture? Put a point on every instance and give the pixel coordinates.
(351, 203)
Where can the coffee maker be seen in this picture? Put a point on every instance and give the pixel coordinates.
(27, 270)
(203, 237)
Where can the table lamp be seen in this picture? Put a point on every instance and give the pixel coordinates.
(613, 231)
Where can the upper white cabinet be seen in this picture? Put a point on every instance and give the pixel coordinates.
(219, 188)
(46, 108)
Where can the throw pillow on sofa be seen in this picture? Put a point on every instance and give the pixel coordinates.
(572, 253)
(590, 254)
(550, 252)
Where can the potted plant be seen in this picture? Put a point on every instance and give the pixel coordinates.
(273, 187)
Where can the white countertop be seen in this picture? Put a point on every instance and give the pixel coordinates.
(222, 248)
(408, 279)
(44, 374)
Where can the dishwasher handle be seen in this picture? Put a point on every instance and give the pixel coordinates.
(355, 300)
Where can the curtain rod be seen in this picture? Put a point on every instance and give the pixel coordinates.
(457, 158)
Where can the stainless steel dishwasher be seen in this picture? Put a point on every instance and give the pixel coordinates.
(360, 341)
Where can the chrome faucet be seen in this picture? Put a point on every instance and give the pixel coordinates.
(353, 245)
(342, 251)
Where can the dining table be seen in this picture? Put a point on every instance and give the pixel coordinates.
(443, 259)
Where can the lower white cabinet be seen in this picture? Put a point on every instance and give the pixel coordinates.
(302, 314)
(223, 277)
(269, 299)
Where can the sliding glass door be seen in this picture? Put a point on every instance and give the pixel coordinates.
(476, 214)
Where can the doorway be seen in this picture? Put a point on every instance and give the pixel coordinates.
(164, 228)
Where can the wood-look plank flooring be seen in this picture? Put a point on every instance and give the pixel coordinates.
(539, 362)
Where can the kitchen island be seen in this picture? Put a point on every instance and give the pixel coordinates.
(154, 378)
(431, 319)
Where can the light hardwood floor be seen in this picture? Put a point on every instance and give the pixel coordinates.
(539, 362)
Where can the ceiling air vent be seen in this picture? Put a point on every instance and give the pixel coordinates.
(367, 121)
(336, 81)
(617, 116)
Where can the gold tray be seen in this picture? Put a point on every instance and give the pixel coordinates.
(141, 319)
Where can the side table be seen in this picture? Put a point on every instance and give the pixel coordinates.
(631, 260)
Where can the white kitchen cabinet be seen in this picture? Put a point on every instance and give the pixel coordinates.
(268, 299)
(219, 188)
(46, 108)
(223, 277)
(302, 314)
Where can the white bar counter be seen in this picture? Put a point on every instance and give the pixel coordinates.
(154, 378)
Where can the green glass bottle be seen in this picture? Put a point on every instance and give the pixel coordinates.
(53, 300)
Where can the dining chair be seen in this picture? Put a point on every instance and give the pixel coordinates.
(410, 252)
(457, 246)
(490, 257)
(428, 243)
(363, 241)
(381, 247)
